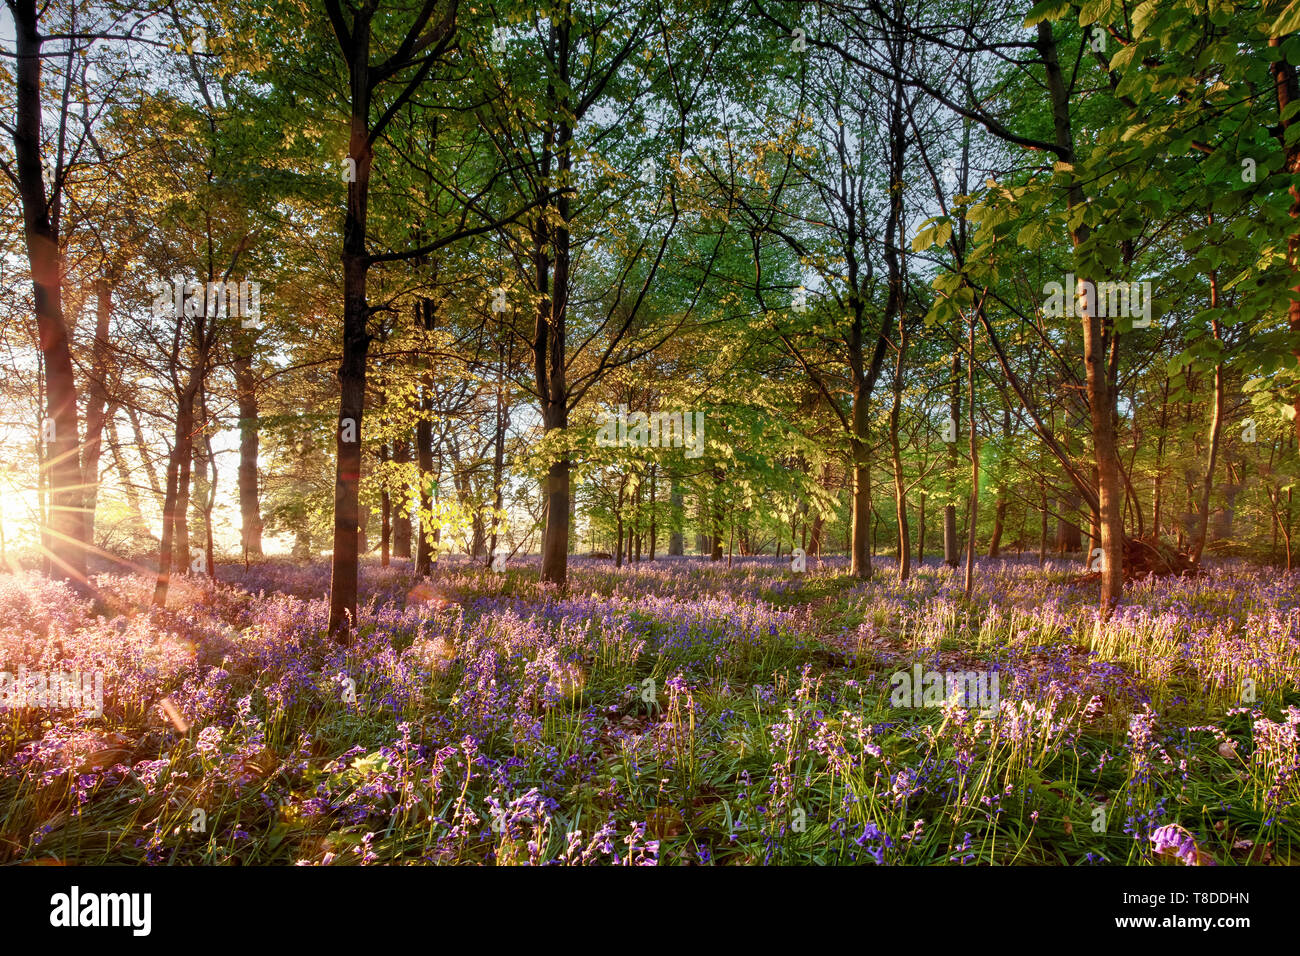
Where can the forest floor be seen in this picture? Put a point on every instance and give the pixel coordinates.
(673, 712)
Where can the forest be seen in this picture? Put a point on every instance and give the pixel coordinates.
(650, 432)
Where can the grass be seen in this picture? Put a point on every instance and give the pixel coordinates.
(676, 713)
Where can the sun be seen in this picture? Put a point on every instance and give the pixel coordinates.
(18, 511)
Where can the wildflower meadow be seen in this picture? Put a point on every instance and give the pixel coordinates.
(680, 713)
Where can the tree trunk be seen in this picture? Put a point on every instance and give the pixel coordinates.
(999, 520)
(498, 454)
(549, 341)
(920, 532)
(1069, 536)
(174, 516)
(385, 513)
(183, 462)
(815, 536)
(636, 519)
(96, 404)
(1160, 462)
(427, 319)
(174, 549)
(402, 503)
(676, 505)
(1216, 425)
(555, 546)
(345, 561)
(1100, 354)
(1000, 503)
(209, 499)
(974, 460)
(653, 496)
(352, 29)
(900, 479)
(950, 510)
(715, 539)
(250, 510)
(65, 524)
(859, 546)
(819, 520)
(618, 515)
(894, 309)
(1042, 530)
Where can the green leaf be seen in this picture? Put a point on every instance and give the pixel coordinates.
(1093, 11)
(1287, 22)
(1143, 17)
(1047, 10)
(1122, 59)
